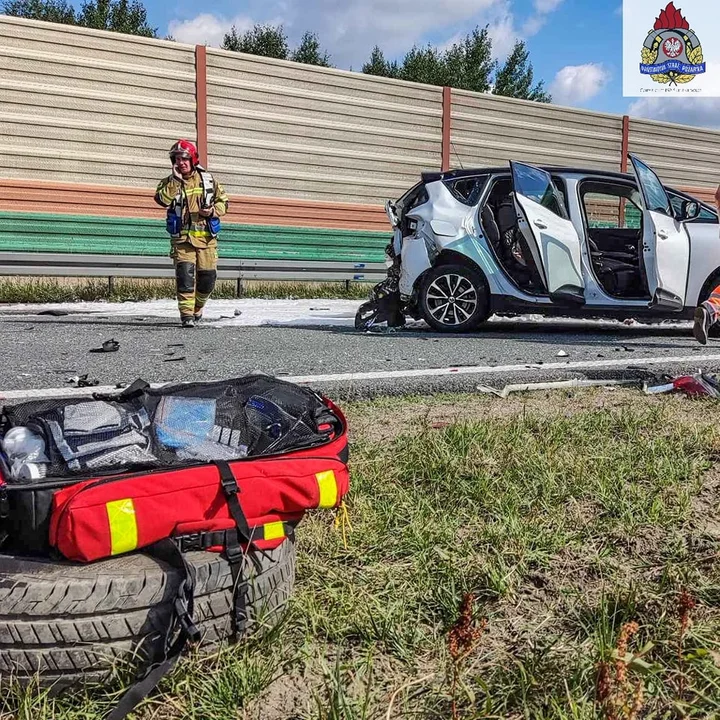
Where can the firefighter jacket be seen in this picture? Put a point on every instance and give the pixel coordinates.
(187, 196)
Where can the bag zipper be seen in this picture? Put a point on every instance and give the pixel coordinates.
(76, 479)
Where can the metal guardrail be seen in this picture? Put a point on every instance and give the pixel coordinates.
(129, 266)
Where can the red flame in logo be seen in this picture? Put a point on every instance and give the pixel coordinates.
(671, 19)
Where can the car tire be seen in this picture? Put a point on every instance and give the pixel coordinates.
(454, 298)
(64, 623)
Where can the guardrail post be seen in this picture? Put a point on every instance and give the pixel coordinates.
(239, 289)
(201, 102)
(111, 285)
(446, 122)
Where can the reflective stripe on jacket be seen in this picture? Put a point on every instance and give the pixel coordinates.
(189, 193)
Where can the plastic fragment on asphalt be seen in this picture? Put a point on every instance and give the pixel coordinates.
(555, 385)
(698, 385)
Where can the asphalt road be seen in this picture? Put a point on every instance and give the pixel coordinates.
(38, 352)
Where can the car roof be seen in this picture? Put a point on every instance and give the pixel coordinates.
(552, 169)
(472, 172)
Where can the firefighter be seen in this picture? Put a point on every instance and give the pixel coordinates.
(195, 201)
(709, 312)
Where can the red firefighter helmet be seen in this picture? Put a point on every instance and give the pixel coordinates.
(186, 149)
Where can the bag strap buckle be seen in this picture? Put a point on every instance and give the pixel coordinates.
(183, 614)
(190, 542)
(234, 553)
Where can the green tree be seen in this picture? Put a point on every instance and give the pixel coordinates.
(117, 15)
(122, 16)
(424, 65)
(265, 40)
(57, 11)
(378, 65)
(309, 52)
(515, 77)
(469, 64)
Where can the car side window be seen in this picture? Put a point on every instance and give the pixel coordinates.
(656, 199)
(537, 185)
(606, 209)
(467, 190)
(705, 216)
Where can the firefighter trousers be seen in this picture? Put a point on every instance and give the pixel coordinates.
(195, 276)
(712, 304)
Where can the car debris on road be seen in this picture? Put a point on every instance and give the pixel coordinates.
(700, 384)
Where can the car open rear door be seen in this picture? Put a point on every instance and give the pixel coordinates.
(666, 243)
(551, 237)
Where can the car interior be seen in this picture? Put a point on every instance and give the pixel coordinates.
(499, 222)
(613, 223)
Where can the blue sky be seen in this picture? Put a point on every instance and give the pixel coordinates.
(575, 46)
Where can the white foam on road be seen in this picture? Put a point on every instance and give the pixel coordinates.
(275, 313)
(219, 313)
(365, 377)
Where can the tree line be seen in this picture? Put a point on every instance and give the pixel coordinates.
(467, 64)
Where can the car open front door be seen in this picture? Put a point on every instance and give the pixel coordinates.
(551, 237)
(666, 243)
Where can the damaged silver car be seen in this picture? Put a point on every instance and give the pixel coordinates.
(523, 239)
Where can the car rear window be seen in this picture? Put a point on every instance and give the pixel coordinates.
(468, 189)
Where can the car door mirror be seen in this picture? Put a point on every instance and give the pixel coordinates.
(690, 209)
(440, 227)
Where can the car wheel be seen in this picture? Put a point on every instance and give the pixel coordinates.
(454, 298)
(68, 623)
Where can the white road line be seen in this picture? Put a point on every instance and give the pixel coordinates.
(695, 360)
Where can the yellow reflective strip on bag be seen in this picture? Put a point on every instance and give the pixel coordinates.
(123, 526)
(328, 489)
(274, 530)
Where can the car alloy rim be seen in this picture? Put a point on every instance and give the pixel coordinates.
(452, 299)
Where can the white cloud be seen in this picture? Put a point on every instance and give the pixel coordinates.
(206, 29)
(348, 30)
(533, 25)
(503, 34)
(576, 84)
(702, 112)
(536, 22)
(545, 7)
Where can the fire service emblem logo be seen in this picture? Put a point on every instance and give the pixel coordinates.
(672, 53)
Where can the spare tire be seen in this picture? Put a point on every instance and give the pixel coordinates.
(68, 623)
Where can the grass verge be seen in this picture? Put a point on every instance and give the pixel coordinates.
(539, 557)
(51, 290)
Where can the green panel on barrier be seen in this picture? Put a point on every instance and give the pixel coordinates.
(39, 232)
